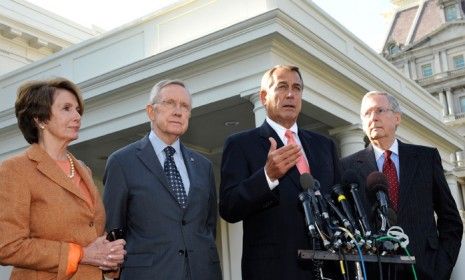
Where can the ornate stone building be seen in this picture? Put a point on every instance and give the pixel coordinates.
(427, 42)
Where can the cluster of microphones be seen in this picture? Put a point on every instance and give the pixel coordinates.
(339, 221)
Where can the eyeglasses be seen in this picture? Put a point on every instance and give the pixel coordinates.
(172, 105)
(376, 111)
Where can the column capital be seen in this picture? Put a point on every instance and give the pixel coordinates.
(253, 96)
(350, 138)
(351, 128)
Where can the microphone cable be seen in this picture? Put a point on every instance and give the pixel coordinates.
(342, 262)
(362, 260)
(397, 234)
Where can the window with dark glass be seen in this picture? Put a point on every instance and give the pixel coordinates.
(462, 104)
(451, 12)
(426, 70)
(459, 63)
(393, 49)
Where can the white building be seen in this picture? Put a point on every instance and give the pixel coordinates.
(222, 56)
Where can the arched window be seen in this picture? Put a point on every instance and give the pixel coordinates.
(393, 48)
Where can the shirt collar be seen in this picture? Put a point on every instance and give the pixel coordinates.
(281, 130)
(394, 149)
(159, 145)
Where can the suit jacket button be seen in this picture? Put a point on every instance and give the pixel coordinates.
(183, 222)
(91, 224)
(181, 252)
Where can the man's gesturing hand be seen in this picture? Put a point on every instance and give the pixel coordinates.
(280, 160)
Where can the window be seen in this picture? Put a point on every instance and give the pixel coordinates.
(459, 63)
(393, 49)
(462, 103)
(427, 70)
(451, 12)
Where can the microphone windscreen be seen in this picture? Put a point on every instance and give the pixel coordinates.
(306, 181)
(376, 181)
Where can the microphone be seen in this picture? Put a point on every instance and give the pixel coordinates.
(377, 187)
(308, 183)
(350, 180)
(336, 210)
(376, 190)
(334, 235)
(304, 197)
(339, 194)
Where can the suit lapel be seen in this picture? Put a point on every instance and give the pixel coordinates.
(88, 181)
(47, 166)
(408, 163)
(366, 162)
(146, 154)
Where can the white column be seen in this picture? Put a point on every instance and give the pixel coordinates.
(350, 138)
(445, 64)
(454, 189)
(413, 69)
(450, 102)
(407, 69)
(437, 63)
(442, 99)
(258, 109)
(231, 242)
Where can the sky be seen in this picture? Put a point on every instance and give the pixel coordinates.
(366, 19)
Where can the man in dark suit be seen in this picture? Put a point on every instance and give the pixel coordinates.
(163, 195)
(417, 189)
(260, 180)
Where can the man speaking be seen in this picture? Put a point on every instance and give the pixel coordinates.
(260, 186)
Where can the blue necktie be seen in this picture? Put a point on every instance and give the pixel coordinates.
(173, 176)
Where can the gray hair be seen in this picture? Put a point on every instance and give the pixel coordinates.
(266, 83)
(155, 92)
(395, 107)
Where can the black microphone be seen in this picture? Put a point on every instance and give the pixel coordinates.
(336, 210)
(333, 233)
(376, 191)
(311, 183)
(305, 198)
(341, 198)
(377, 187)
(350, 181)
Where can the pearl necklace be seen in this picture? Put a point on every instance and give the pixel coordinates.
(71, 164)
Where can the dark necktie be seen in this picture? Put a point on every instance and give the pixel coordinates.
(174, 178)
(389, 169)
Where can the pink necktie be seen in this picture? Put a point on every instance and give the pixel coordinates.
(389, 169)
(302, 164)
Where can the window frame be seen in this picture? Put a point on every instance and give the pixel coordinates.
(448, 13)
(462, 108)
(458, 64)
(424, 67)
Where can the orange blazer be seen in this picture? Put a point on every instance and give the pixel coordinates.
(41, 212)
